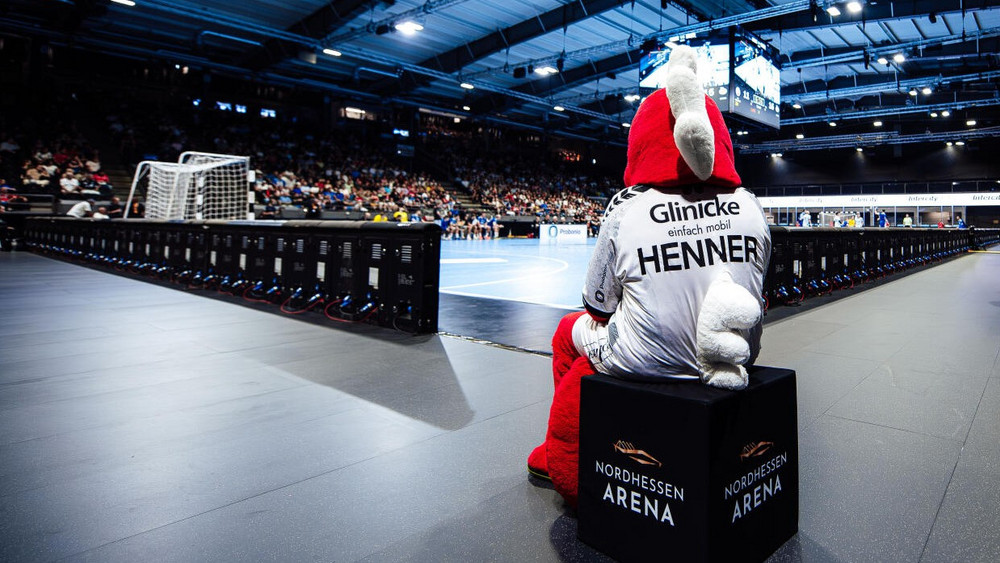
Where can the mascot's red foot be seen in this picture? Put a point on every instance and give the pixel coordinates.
(538, 463)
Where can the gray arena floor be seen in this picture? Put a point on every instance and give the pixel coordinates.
(142, 423)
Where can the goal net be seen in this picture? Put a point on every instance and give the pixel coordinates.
(198, 186)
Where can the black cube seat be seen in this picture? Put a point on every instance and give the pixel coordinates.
(681, 471)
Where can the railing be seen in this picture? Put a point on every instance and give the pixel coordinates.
(879, 188)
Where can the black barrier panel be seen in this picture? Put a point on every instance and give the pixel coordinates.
(340, 259)
(380, 273)
(406, 291)
(296, 256)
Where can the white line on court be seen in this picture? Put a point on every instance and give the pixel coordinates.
(516, 300)
(563, 266)
(474, 261)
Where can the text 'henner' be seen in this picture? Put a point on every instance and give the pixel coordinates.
(684, 254)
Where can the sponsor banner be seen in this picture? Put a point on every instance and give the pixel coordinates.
(883, 200)
(563, 234)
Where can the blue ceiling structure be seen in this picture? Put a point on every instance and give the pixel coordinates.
(899, 63)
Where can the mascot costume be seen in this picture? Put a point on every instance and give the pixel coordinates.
(673, 289)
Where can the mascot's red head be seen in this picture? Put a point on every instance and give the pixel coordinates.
(678, 137)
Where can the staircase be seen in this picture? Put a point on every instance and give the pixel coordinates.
(464, 199)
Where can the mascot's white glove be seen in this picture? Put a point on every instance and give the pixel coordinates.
(727, 308)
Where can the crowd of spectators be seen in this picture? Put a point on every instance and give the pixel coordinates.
(340, 171)
(65, 166)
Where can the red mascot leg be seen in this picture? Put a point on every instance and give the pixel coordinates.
(563, 438)
(557, 457)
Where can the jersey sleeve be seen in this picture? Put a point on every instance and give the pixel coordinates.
(602, 290)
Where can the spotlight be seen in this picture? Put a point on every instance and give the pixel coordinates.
(520, 72)
(971, 123)
(933, 17)
(854, 6)
(626, 125)
(934, 114)
(546, 70)
(332, 52)
(800, 136)
(409, 27)
(467, 86)
(883, 61)
(949, 143)
(859, 149)
(960, 143)
(780, 155)
(466, 108)
(945, 113)
(833, 124)
(558, 108)
(913, 92)
(381, 29)
(632, 97)
(797, 105)
(833, 11)
(899, 57)
(927, 91)
(877, 124)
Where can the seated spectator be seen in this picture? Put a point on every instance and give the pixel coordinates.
(68, 184)
(101, 213)
(115, 209)
(137, 210)
(270, 210)
(82, 209)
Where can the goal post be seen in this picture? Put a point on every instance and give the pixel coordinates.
(198, 186)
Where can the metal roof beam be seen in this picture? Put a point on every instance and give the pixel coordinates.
(893, 86)
(891, 111)
(843, 55)
(864, 140)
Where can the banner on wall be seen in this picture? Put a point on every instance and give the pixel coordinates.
(884, 200)
(562, 234)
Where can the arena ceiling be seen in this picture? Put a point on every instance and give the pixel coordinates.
(922, 69)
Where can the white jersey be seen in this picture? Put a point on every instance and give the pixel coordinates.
(656, 255)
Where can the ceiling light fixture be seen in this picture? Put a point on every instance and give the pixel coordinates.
(546, 70)
(859, 149)
(626, 125)
(877, 124)
(913, 92)
(409, 27)
(927, 90)
(632, 98)
(949, 143)
(833, 124)
(332, 52)
(833, 11)
(883, 61)
(800, 136)
(971, 123)
(945, 113)
(467, 86)
(797, 105)
(124, 2)
(854, 6)
(934, 114)
(899, 57)
(558, 108)
(960, 143)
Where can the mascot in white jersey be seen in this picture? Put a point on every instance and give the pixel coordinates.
(674, 287)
